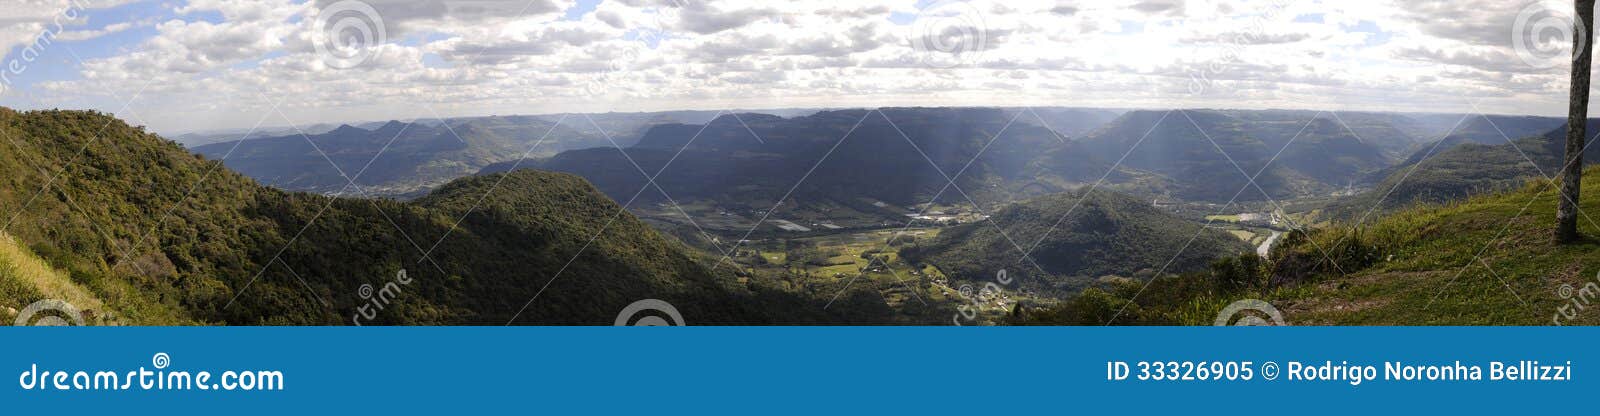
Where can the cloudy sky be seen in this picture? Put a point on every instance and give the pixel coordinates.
(179, 66)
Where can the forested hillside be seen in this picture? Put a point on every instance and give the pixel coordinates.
(1080, 239)
(161, 236)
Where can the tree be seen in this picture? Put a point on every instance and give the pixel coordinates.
(1577, 120)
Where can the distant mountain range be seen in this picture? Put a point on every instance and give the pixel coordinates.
(406, 159)
(202, 138)
(1185, 155)
(148, 233)
(902, 155)
(1070, 123)
(896, 155)
(157, 235)
(1458, 167)
(1206, 155)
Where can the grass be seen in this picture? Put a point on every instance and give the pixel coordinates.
(1488, 260)
(25, 279)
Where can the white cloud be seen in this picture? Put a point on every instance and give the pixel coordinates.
(479, 57)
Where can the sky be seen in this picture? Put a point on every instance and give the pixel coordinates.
(178, 66)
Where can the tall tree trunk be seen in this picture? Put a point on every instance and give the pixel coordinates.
(1577, 121)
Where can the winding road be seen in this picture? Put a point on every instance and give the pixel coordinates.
(1266, 246)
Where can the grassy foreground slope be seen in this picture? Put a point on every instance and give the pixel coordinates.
(1487, 260)
(28, 278)
(162, 236)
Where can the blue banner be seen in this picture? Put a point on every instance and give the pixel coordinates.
(747, 370)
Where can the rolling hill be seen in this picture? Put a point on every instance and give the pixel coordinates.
(1084, 238)
(399, 158)
(1071, 123)
(1486, 260)
(414, 157)
(161, 236)
(1460, 168)
(1205, 154)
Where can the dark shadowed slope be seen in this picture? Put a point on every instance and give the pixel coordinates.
(1099, 235)
(161, 236)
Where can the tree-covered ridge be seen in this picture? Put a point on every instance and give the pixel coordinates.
(898, 155)
(406, 159)
(163, 236)
(1099, 234)
(1484, 260)
(1457, 168)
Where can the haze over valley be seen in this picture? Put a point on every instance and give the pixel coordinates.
(881, 162)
